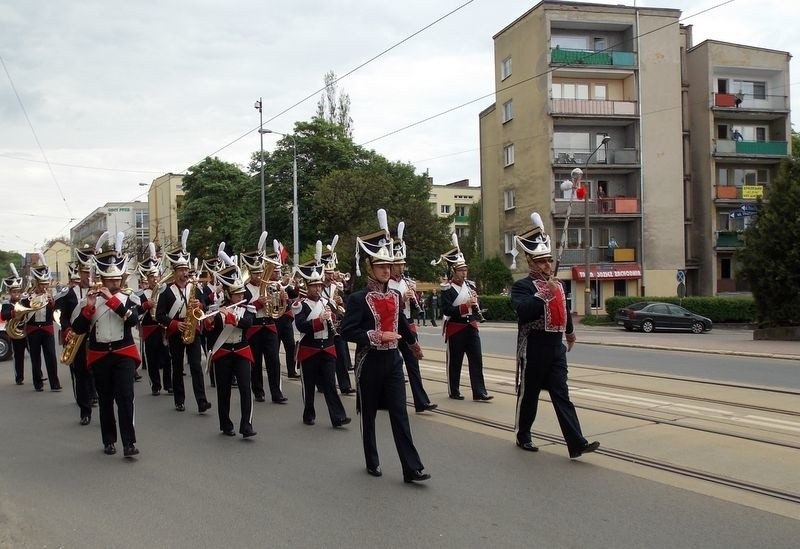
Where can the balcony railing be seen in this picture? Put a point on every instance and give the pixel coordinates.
(752, 148)
(770, 103)
(576, 256)
(729, 239)
(608, 206)
(579, 156)
(588, 57)
(594, 107)
(747, 192)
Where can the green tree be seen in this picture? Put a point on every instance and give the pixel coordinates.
(212, 207)
(334, 106)
(491, 276)
(471, 242)
(770, 259)
(10, 257)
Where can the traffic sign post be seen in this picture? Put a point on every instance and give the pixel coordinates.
(681, 277)
(681, 292)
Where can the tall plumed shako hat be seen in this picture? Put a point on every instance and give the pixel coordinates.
(377, 246)
(74, 270)
(253, 260)
(230, 275)
(12, 281)
(179, 257)
(453, 258)
(41, 272)
(399, 245)
(329, 258)
(272, 260)
(112, 264)
(534, 242)
(151, 265)
(313, 271)
(85, 256)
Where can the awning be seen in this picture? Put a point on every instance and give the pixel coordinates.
(609, 271)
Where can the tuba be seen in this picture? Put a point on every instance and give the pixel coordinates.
(15, 327)
(74, 341)
(193, 314)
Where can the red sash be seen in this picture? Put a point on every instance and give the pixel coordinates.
(245, 352)
(304, 353)
(130, 351)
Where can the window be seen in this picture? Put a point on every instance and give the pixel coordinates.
(569, 42)
(761, 134)
(620, 288)
(508, 239)
(508, 110)
(725, 267)
(750, 89)
(508, 155)
(445, 209)
(750, 176)
(722, 177)
(461, 232)
(599, 44)
(568, 143)
(461, 211)
(566, 90)
(722, 85)
(722, 131)
(600, 92)
(505, 68)
(509, 200)
(575, 238)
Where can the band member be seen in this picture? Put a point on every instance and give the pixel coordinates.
(39, 328)
(212, 297)
(285, 323)
(231, 352)
(83, 386)
(108, 316)
(156, 352)
(316, 351)
(373, 322)
(460, 306)
(408, 303)
(175, 310)
(332, 292)
(263, 334)
(544, 322)
(13, 284)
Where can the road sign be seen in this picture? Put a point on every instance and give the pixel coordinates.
(742, 213)
(681, 290)
(748, 206)
(681, 277)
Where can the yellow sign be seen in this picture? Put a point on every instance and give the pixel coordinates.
(752, 191)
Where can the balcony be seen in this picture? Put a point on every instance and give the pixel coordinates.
(749, 103)
(744, 192)
(594, 107)
(578, 157)
(462, 219)
(562, 56)
(619, 205)
(751, 148)
(729, 239)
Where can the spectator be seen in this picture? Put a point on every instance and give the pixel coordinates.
(737, 136)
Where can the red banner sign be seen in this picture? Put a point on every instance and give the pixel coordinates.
(608, 272)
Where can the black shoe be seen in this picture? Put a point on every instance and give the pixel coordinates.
(180, 407)
(588, 448)
(129, 451)
(137, 377)
(416, 476)
(376, 472)
(39, 389)
(170, 391)
(280, 400)
(309, 421)
(527, 446)
(86, 420)
(348, 391)
(94, 401)
(483, 397)
(20, 382)
(229, 432)
(250, 433)
(457, 396)
(427, 408)
(203, 407)
(109, 450)
(293, 376)
(56, 389)
(260, 398)
(156, 392)
(342, 422)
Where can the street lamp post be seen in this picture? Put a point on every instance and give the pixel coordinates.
(295, 220)
(587, 290)
(261, 135)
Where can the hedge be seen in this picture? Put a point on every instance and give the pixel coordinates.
(718, 309)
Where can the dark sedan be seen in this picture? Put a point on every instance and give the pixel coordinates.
(648, 316)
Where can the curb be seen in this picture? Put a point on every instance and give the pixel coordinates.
(690, 350)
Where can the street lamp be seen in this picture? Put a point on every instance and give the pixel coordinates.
(295, 222)
(261, 135)
(587, 291)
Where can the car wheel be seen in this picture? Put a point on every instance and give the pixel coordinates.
(648, 326)
(5, 347)
(697, 327)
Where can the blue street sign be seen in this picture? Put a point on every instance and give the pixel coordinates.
(681, 277)
(749, 207)
(742, 213)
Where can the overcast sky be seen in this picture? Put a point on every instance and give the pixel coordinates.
(127, 91)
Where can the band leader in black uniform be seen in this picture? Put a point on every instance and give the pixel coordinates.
(460, 308)
(39, 329)
(156, 352)
(231, 352)
(373, 322)
(316, 350)
(108, 317)
(174, 304)
(13, 284)
(544, 321)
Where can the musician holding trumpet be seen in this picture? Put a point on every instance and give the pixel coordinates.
(39, 328)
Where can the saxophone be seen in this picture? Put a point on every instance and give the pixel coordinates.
(74, 341)
(193, 314)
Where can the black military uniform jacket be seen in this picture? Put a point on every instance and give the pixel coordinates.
(166, 300)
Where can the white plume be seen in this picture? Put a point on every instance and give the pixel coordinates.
(14, 270)
(195, 264)
(566, 185)
(220, 248)
(454, 238)
(401, 228)
(262, 242)
(99, 246)
(318, 251)
(334, 241)
(383, 221)
(536, 219)
(118, 243)
(151, 250)
(277, 247)
(41, 259)
(184, 239)
(225, 258)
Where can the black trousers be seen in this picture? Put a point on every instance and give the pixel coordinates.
(418, 393)
(41, 343)
(82, 382)
(177, 349)
(264, 344)
(467, 341)
(19, 346)
(318, 371)
(381, 385)
(226, 367)
(157, 360)
(113, 376)
(286, 336)
(343, 363)
(546, 368)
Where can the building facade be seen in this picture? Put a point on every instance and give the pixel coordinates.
(57, 255)
(164, 199)
(131, 218)
(455, 199)
(572, 83)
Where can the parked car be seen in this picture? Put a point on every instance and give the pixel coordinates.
(648, 316)
(5, 343)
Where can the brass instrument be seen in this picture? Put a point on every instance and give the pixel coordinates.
(15, 327)
(193, 314)
(277, 300)
(74, 341)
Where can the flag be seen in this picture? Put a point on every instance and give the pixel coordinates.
(284, 254)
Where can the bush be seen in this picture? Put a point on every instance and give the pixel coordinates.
(498, 308)
(718, 309)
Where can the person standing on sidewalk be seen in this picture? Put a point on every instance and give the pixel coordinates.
(544, 321)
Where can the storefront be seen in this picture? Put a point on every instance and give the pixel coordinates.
(606, 280)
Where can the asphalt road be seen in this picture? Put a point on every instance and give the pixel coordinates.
(299, 486)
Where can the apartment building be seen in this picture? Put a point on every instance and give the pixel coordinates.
(131, 218)
(740, 131)
(596, 87)
(455, 199)
(164, 199)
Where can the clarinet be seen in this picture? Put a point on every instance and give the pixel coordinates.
(476, 309)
